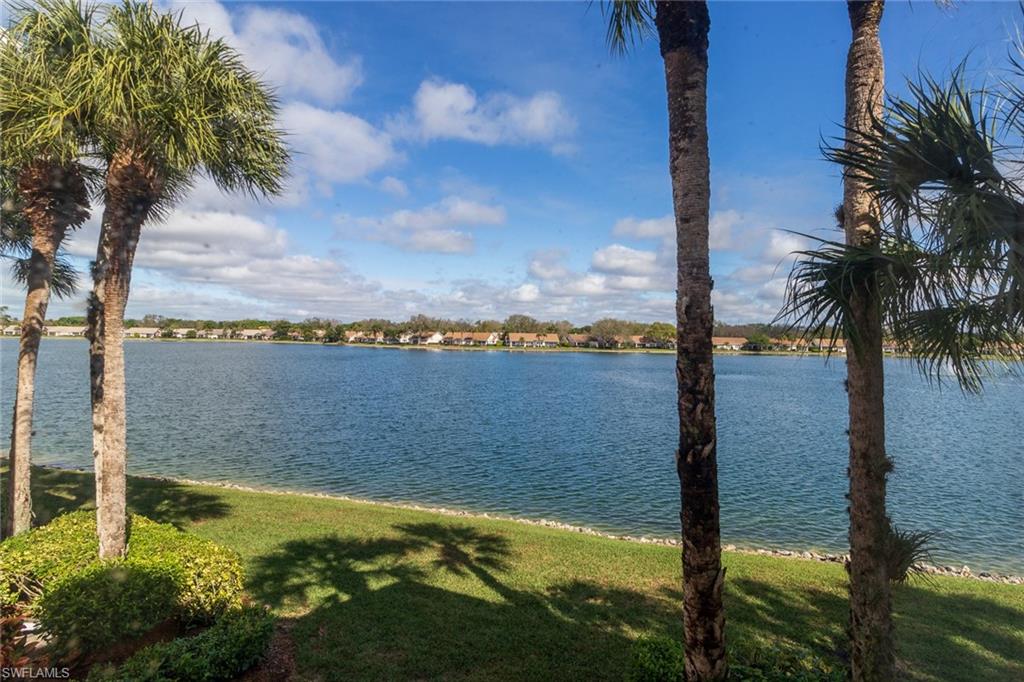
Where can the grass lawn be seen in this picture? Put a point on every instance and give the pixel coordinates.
(376, 592)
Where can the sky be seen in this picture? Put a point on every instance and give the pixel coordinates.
(474, 160)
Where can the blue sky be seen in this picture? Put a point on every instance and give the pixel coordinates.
(474, 160)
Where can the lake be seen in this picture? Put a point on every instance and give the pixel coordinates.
(583, 438)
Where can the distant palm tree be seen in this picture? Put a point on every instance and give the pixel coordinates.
(682, 29)
(942, 268)
(43, 115)
(172, 103)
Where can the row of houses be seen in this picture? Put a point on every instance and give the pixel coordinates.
(156, 332)
(427, 338)
(509, 339)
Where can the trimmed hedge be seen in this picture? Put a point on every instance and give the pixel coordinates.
(87, 604)
(228, 648)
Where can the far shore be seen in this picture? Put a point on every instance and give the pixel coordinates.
(448, 347)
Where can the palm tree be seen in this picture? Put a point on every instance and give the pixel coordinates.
(175, 103)
(944, 273)
(43, 115)
(682, 29)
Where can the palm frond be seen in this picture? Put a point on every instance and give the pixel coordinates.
(629, 23)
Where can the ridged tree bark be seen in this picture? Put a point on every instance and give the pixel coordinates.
(872, 654)
(54, 200)
(683, 36)
(130, 188)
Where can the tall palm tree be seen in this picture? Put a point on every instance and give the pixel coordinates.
(43, 115)
(872, 654)
(175, 103)
(943, 272)
(682, 30)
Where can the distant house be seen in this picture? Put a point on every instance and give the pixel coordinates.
(211, 334)
(426, 338)
(728, 342)
(182, 332)
(470, 339)
(261, 334)
(530, 340)
(579, 340)
(142, 332)
(64, 331)
(403, 337)
(828, 346)
(12, 330)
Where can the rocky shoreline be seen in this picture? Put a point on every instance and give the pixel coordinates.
(923, 569)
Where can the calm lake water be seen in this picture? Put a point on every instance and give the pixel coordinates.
(583, 438)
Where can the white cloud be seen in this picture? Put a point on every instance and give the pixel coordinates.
(438, 228)
(283, 46)
(622, 260)
(547, 264)
(782, 245)
(453, 111)
(394, 186)
(335, 146)
(526, 293)
(651, 228)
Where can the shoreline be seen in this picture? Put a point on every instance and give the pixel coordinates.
(924, 569)
(498, 348)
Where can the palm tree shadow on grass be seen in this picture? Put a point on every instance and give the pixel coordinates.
(56, 492)
(410, 606)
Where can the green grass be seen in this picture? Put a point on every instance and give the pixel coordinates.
(378, 592)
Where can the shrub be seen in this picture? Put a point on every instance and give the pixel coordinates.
(775, 663)
(656, 659)
(228, 648)
(87, 604)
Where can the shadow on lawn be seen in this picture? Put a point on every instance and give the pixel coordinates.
(56, 492)
(434, 602)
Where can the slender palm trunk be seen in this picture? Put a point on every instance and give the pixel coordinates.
(872, 654)
(683, 35)
(129, 197)
(54, 201)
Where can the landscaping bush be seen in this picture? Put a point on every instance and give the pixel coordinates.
(86, 604)
(228, 648)
(660, 659)
(656, 659)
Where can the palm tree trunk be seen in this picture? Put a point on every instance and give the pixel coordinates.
(54, 199)
(129, 197)
(683, 35)
(872, 654)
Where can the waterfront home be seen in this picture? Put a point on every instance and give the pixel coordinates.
(470, 339)
(261, 334)
(728, 342)
(12, 330)
(211, 334)
(401, 337)
(142, 332)
(579, 340)
(182, 332)
(829, 346)
(64, 331)
(530, 340)
(426, 338)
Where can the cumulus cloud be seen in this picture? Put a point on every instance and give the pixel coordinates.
(443, 227)
(394, 186)
(547, 264)
(452, 111)
(335, 146)
(283, 46)
(622, 260)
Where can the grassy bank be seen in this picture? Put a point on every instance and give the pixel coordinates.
(375, 592)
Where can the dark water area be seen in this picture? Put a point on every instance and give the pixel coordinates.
(582, 438)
